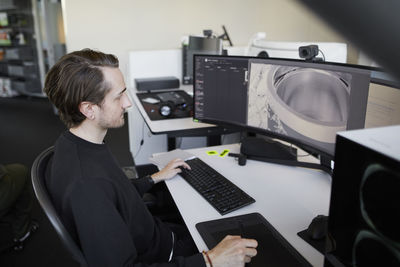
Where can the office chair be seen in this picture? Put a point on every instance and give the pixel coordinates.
(38, 176)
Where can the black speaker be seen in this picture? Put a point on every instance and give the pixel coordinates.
(156, 83)
(364, 221)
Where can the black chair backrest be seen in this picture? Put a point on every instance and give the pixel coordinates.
(38, 180)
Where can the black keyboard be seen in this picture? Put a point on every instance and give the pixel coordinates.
(221, 193)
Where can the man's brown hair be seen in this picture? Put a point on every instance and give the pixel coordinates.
(75, 78)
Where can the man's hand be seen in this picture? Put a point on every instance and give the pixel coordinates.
(232, 251)
(170, 170)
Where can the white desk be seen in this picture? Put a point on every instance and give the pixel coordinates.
(288, 197)
(159, 135)
(147, 137)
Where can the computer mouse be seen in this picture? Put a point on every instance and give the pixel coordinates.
(318, 227)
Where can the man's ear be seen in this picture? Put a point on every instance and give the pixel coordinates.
(87, 109)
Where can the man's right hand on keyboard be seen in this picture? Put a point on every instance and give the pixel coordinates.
(169, 171)
(232, 251)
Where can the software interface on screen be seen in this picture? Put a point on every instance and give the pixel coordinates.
(220, 88)
(305, 102)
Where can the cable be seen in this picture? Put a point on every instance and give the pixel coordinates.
(322, 53)
(179, 142)
(223, 139)
(141, 142)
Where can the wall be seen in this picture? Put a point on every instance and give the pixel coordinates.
(120, 26)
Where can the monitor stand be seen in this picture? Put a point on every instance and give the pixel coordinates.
(268, 150)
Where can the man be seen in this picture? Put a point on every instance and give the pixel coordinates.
(101, 209)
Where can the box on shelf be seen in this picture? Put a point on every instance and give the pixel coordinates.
(27, 69)
(6, 89)
(3, 19)
(18, 20)
(28, 86)
(5, 37)
(7, 4)
(3, 70)
(19, 53)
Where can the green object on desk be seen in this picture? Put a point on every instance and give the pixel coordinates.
(212, 152)
(224, 153)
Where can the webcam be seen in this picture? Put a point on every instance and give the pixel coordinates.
(309, 52)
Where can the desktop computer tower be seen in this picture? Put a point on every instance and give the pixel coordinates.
(364, 221)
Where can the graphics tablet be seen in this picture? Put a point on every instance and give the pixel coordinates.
(273, 249)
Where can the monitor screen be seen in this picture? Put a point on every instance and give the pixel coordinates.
(220, 88)
(302, 102)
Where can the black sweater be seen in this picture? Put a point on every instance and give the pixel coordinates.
(103, 211)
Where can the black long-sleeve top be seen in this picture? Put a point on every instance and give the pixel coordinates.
(104, 212)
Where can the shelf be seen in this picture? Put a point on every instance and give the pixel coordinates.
(8, 8)
(13, 5)
(24, 29)
(14, 61)
(13, 46)
(19, 63)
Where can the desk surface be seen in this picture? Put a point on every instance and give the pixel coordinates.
(288, 197)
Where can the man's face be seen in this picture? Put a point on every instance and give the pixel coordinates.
(111, 112)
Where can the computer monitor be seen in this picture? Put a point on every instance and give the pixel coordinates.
(304, 103)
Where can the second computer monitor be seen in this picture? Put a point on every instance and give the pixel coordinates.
(305, 103)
